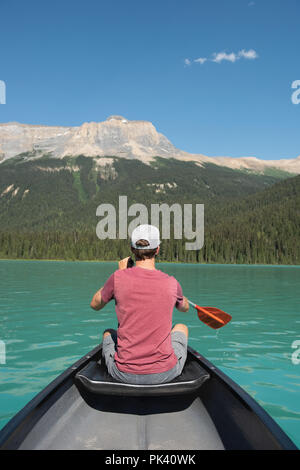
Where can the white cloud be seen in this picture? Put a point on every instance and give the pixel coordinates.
(201, 60)
(251, 4)
(219, 57)
(251, 54)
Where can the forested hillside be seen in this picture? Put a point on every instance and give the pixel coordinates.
(48, 208)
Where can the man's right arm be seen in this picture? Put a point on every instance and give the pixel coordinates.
(103, 295)
(97, 302)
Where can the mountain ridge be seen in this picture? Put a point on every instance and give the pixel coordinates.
(120, 137)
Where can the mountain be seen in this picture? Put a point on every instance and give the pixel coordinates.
(118, 137)
(52, 214)
(115, 137)
(52, 180)
(63, 193)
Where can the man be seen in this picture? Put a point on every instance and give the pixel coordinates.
(145, 349)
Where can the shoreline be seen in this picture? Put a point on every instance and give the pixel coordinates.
(158, 262)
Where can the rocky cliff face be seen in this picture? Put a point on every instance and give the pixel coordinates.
(114, 137)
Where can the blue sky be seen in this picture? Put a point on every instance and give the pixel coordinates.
(67, 62)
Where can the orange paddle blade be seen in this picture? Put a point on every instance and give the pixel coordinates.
(213, 317)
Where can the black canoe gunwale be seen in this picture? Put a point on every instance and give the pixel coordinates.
(247, 401)
(43, 396)
(66, 378)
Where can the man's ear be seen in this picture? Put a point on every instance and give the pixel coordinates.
(157, 251)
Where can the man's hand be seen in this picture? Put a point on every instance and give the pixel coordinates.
(126, 263)
(185, 305)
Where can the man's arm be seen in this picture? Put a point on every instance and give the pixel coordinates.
(184, 307)
(97, 302)
(182, 303)
(103, 295)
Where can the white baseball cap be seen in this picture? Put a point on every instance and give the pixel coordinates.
(145, 232)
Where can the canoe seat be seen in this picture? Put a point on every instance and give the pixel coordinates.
(95, 378)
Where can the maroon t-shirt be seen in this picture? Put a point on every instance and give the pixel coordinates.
(144, 302)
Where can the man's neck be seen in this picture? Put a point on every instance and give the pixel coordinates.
(146, 263)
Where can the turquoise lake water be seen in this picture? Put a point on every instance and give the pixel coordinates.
(46, 324)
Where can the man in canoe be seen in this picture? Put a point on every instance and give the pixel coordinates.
(145, 349)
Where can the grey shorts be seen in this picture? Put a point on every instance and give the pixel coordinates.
(179, 343)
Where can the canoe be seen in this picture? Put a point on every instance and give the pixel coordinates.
(84, 408)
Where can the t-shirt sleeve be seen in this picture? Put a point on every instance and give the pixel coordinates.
(179, 296)
(107, 292)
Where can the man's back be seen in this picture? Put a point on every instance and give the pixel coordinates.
(145, 299)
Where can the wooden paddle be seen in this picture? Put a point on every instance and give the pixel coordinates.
(212, 316)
